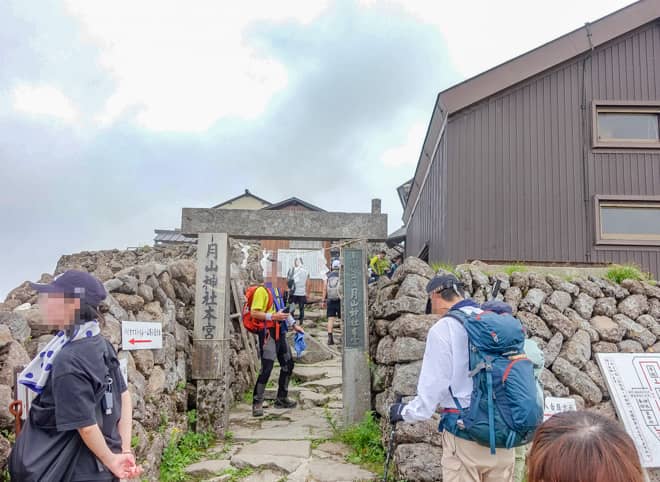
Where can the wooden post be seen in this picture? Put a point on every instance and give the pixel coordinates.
(356, 386)
(211, 333)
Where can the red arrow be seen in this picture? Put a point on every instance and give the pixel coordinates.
(133, 341)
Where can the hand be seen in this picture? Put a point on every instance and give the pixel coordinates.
(395, 412)
(123, 466)
(324, 304)
(280, 316)
(299, 329)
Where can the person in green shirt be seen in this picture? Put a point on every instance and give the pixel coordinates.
(379, 265)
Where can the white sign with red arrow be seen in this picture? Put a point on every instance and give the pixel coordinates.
(141, 335)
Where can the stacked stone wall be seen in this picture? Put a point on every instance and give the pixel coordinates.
(571, 320)
(147, 284)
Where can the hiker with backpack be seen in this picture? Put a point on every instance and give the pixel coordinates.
(260, 316)
(79, 425)
(332, 298)
(476, 370)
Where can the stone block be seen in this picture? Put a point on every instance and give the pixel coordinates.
(412, 326)
(558, 321)
(533, 301)
(584, 305)
(608, 329)
(419, 462)
(634, 306)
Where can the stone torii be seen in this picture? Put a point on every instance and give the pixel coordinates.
(213, 228)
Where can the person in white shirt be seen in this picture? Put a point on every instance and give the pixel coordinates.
(300, 280)
(444, 375)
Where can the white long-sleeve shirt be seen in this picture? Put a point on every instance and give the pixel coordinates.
(445, 365)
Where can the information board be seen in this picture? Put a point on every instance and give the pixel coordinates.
(633, 380)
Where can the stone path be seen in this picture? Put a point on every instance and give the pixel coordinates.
(294, 444)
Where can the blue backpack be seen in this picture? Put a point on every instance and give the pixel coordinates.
(505, 408)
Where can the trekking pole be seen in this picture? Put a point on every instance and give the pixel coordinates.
(496, 289)
(391, 444)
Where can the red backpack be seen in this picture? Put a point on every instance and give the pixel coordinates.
(251, 324)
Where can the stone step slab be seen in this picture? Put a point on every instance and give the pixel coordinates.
(308, 373)
(265, 476)
(285, 456)
(328, 470)
(207, 468)
(325, 385)
(309, 398)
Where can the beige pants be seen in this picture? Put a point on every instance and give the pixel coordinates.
(465, 461)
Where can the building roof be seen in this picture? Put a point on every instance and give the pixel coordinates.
(247, 193)
(293, 201)
(490, 82)
(172, 236)
(404, 191)
(397, 236)
(555, 52)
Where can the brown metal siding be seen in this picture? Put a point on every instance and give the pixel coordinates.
(517, 165)
(427, 225)
(514, 186)
(626, 70)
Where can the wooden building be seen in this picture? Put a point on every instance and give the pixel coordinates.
(553, 156)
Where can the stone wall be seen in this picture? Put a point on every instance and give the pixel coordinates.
(570, 320)
(147, 284)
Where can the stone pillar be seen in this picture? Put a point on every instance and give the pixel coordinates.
(210, 358)
(356, 384)
(375, 206)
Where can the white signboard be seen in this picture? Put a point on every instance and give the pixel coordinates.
(313, 261)
(555, 405)
(141, 335)
(633, 380)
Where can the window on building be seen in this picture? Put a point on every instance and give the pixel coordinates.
(629, 222)
(627, 126)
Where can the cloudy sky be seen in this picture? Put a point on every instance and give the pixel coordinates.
(114, 115)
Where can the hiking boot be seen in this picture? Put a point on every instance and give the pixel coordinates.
(331, 340)
(285, 403)
(258, 410)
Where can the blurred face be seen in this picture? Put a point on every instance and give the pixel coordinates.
(58, 311)
(297, 263)
(381, 255)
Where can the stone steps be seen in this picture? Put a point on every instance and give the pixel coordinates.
(279, 446)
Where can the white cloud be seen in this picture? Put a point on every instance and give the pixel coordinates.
(182, 66)
(43, 100)
(481, 34)
(407, 153)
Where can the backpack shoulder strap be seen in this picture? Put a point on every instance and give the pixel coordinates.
(458, 315)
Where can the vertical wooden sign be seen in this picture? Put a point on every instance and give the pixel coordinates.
(211, 306)
(356, 384)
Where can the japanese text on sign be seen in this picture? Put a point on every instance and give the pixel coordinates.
(141, 335)
(555, 405)
(633, 380)
(353, 309)
(209, 289)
